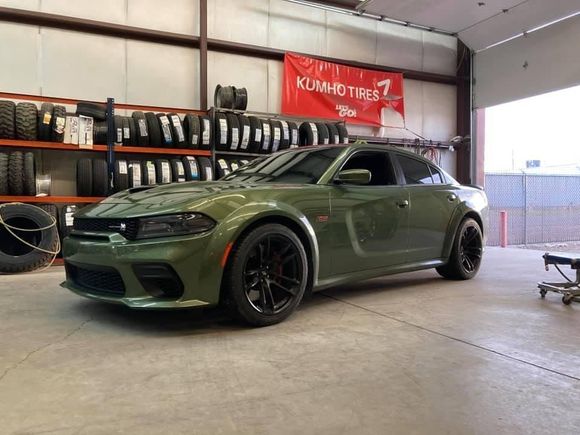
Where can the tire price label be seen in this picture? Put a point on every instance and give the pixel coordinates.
(223, 131)
(151, 173)
(314, 133)
(276, 141)
(165, 172)
(266, 137)
(178, 127)
(245, 137)
(193, 169)
(122, 167)
(235, 138)
(59, 123)
(136, 173)
(285, 131)
(165, 127)
(205, 135)
(142, 127)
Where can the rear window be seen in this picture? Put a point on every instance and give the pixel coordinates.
(437, 178)
(415, 171)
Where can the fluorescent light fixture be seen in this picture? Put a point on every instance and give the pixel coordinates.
(360, 12)
(362, 4)
(519, 35)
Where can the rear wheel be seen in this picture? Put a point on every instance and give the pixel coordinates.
(466, 253)
(266, 275)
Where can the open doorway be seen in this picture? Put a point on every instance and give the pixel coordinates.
(532, 170)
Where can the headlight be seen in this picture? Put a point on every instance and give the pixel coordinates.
(173, 225)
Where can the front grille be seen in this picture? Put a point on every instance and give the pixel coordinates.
(104, 281)
(126, 227)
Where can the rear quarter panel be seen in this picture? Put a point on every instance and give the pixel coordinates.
(471, 201)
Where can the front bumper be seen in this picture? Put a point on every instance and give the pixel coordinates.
(186, 256)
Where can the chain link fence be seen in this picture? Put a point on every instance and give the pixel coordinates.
(540, 208)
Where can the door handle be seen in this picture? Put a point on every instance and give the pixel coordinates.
(403, 204)
(451, 197)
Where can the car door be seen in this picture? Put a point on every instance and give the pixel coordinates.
(369, 223)
(432, 203)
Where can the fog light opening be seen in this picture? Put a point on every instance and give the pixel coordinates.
(159, 280)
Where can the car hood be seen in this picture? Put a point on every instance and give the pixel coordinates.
(174, 193)
(179, 197)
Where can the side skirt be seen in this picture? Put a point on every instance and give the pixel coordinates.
(375, 273)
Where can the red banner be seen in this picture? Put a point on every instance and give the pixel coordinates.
(327, 90)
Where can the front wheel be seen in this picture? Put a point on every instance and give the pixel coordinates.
(266, 275)
(466, 253)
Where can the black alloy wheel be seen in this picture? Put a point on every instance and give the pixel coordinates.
(266, 275)
(273, 274)
(470, 249)
(466, 252)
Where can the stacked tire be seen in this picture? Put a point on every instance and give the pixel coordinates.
(240, 133)
(92, 177)
(320, 133)
(251, 134)
(17, 174)
(225, 167)
(24, 121)
(230, 97)
(164, 130)
(157, 130)
(23, 250)
(129, 174)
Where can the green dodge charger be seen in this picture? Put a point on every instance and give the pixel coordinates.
(284, 224)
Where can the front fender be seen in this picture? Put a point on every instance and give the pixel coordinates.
(229, 230)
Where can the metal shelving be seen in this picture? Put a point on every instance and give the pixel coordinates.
(13, 143)
(52, 199)
(111, 148)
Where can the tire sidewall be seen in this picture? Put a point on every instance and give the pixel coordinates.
(466, 223)
(49, 237)
(235, 269)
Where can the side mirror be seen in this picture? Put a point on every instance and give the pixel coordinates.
(354, 176)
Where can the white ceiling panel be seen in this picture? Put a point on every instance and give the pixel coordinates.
(479, 23)
(522, 18)
(450, 15)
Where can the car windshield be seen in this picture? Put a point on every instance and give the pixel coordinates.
(295, 167)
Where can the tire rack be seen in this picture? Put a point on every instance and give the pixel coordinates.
(265, 115)
(110, 149)
(398, 142)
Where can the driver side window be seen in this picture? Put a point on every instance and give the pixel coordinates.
(378, 163)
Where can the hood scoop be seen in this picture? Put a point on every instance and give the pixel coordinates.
(138, 189)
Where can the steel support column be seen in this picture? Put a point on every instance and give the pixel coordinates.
(464, 112)
(203, 54)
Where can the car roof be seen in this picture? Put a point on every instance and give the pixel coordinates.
(373, 146)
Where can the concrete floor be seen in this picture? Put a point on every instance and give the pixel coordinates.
(410, 354)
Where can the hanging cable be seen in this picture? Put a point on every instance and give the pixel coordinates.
(11, 228)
